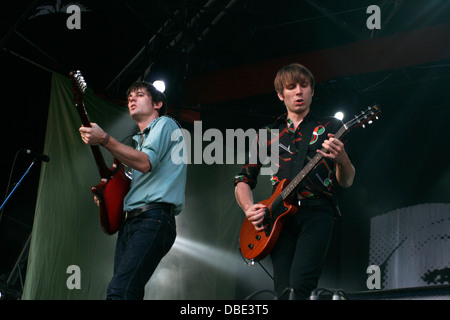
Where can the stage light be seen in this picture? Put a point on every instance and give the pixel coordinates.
(159, 85)
(339, 115)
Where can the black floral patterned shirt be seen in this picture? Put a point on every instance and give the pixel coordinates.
(320, 182)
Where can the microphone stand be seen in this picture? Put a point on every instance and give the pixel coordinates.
(15, 187)
(17, 265)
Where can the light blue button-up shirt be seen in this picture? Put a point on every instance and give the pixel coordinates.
(166, 181)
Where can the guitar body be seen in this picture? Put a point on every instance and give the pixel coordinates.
(111, 193)
(256, 245)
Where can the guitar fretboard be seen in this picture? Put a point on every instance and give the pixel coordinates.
(287, 192)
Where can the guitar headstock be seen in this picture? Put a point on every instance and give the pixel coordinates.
(79, 86)
(366, 116)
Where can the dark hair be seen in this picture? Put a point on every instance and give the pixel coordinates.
(157, 96)
(293, 73)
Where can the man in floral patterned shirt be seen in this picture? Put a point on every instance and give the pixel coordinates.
(301, 248)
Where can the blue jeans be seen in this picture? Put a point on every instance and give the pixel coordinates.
(300, 252)
(141, 244)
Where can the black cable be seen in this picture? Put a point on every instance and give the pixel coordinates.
(262, 291)
(252, 262)
(265, 270)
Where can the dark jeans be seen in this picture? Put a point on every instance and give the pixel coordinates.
(300, 252)
(141, 244)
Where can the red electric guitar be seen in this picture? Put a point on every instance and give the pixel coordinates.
(256, 245)
(114, 184)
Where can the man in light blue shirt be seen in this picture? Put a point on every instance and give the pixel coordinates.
(156, 195)
(165, 176)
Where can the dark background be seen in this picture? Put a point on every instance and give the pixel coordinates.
(219, 59)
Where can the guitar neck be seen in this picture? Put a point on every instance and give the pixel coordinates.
(287, 192)
(104, 171)
(358, 121)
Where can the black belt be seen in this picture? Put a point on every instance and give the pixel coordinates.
(314, 202)
(156, 205)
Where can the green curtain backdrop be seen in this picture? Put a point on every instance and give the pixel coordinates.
(204, 263)
(66, 228)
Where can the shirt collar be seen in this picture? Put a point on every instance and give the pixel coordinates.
(139, 135)
(283, 119)
(147, 129)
